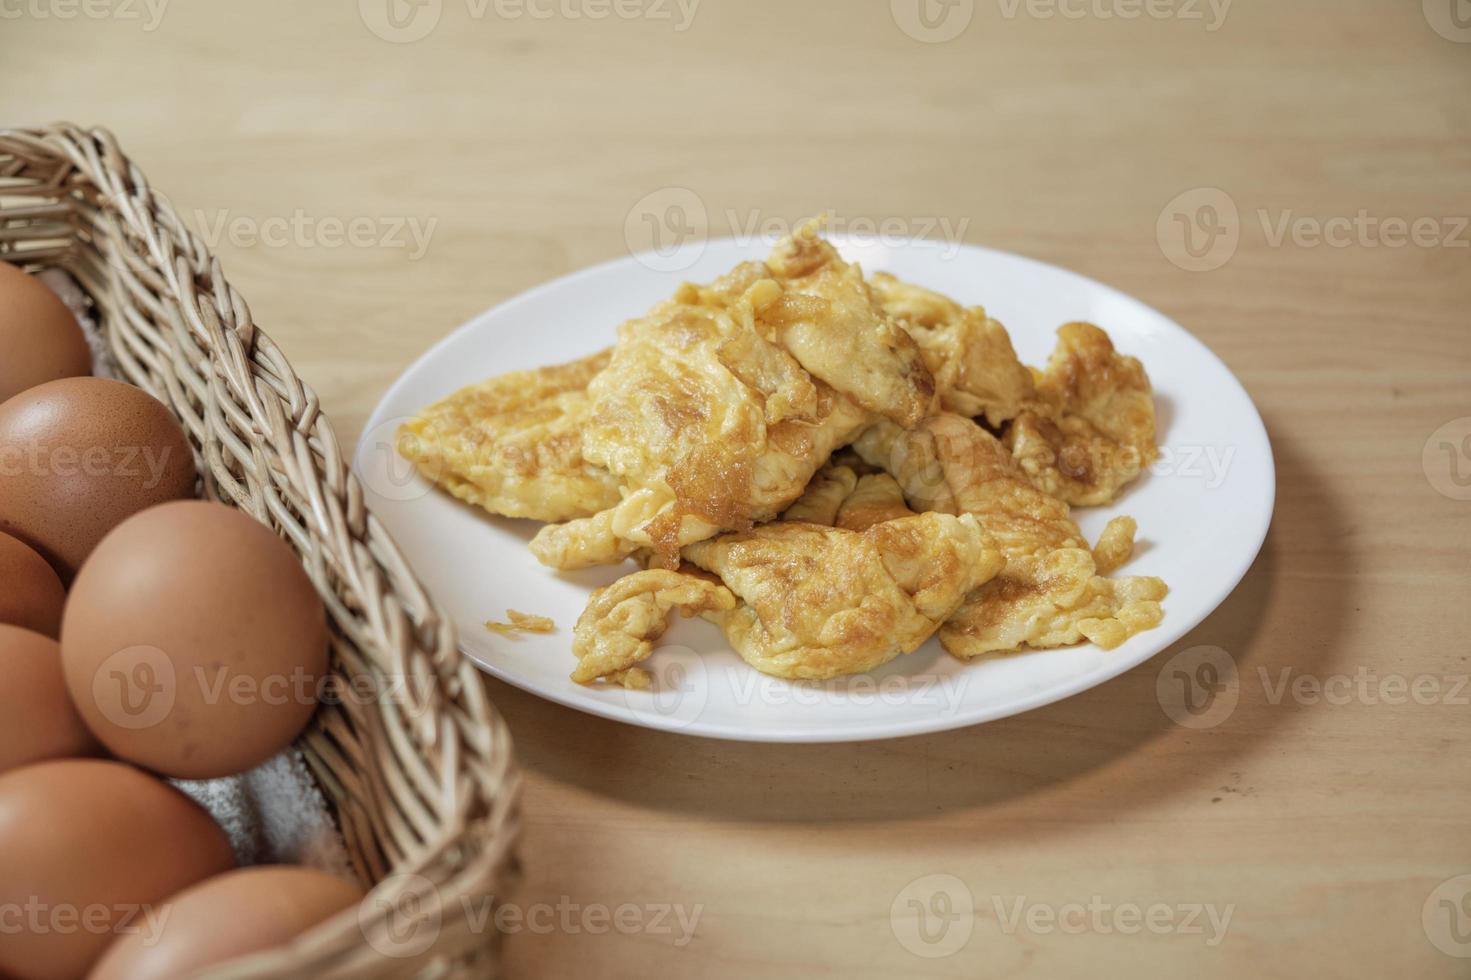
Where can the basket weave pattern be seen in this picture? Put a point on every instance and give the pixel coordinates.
(420, 773)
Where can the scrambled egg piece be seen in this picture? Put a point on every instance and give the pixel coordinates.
(824, 496)
(949, 464)
(1053, 600)
(718, 407)
(1049, 593)
(521, 622)
(819, 602)
(797, 600)
(1115, 546)
(1082, 428)
(1093, 429)
(513, 444)
(828, 318)
(876, 498)
(976, 369)
(618, 628)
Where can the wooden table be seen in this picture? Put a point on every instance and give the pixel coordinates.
(1047, 129)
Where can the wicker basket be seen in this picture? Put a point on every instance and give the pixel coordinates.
(423, 784)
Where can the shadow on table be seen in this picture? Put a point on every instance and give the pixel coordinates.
(1092, 756)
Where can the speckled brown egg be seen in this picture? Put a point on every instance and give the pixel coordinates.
(31, 594)
(37, 720)
(230, 915)
(40, 339)
(80, 455)
(193, 642)
(83, 842)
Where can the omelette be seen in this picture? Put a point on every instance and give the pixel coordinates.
(831, 467)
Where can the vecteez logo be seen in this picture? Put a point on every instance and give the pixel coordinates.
(679, 692)
(406, 21)
(135, 688)
(1198, 231)
(1199, 687)
(1446, 459)
(667, 229)
(148, 14)
(401, 21)
(933, 916)
(403, 916)
(1446, 917)
(1451, 19)
(932, 21)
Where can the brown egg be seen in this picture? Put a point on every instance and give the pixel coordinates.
(230, 915)
(193, 642)
(78, 456)
(37, 720)
(31, 595)
(40, 338)
(91, 849)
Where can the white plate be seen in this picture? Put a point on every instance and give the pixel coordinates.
(1203, 510)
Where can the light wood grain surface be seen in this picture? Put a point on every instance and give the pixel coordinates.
(527, 141)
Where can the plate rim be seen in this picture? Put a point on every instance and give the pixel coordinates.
(1179, 625)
